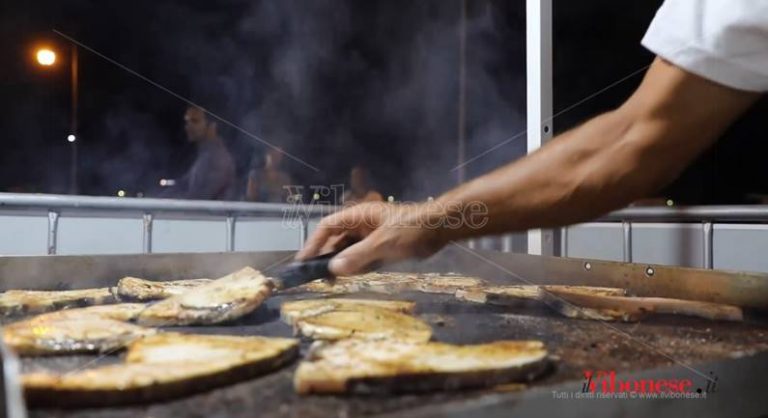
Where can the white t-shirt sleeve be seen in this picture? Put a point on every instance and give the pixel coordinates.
(725, 41)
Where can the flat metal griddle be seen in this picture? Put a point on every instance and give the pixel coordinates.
(576, 345)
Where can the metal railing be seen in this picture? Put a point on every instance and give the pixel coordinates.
(44, 201)
(726, 214)
(707, 216)
(149, 207)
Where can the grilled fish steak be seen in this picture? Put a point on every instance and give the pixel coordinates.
(136, 289)
(599, 303)
(293, 311)
(501, 295)
(119, 311)
(223, 299)
(22, 302)
(498, 294)
(363, 322)
(393, 283)
(161, 367)
(71, 335)
(365, 367)
(132, 288)
(548, 294)
(177, 347)
(369, 282)
(618, 308)
(447, 283)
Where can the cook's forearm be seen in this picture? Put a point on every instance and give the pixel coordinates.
(606, 163)
(602, 165)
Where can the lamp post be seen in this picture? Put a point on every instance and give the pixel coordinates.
(46, 57)
(72, 137)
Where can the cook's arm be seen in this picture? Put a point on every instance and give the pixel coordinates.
(610, 160)
(599, 166)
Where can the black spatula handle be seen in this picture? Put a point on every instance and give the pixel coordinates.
(299, 272)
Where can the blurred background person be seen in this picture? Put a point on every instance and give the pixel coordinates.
(268, 183)
(360, 189)
(212, 174)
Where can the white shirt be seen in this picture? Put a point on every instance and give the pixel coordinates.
(725, 41)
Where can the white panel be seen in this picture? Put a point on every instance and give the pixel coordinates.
(600, 241)
(189, 235)
(538, 25)
(23, 234)
(258, 234)
(98, 235)
(741, 247)
(670, 244)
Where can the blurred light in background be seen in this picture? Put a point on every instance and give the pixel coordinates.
(121, 193)
(71, 138)
(45, 57)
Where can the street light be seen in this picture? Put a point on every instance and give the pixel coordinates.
(47, 57)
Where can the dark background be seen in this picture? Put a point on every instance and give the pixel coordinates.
(333, 82)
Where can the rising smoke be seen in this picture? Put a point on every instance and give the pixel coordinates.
(334, 82)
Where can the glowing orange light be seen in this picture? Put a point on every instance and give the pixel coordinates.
(45, 57)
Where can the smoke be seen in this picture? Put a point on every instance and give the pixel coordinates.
(419, 98)
(132, 158)
(338, 83)
(378, 85)
(333, 82)
(299, 56)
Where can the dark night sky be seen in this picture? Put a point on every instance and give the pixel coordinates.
(334, 82)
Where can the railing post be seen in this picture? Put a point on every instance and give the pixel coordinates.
(708, 232)
(146, 239)
(53, 229)
(627, 241)
(564, 241)
(303, 230)
(230, 233)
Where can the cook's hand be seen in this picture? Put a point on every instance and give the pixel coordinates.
(386, 232)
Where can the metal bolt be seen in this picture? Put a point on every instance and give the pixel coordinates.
(587, 266)
(649, 271)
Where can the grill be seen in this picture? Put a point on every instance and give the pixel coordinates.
(659, 346)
